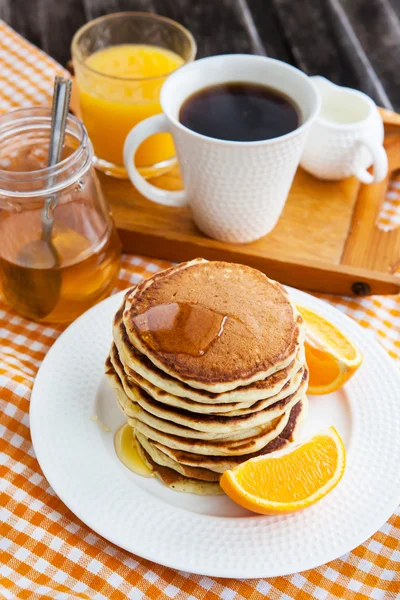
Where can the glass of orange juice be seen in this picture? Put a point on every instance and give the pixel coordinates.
(121, 61)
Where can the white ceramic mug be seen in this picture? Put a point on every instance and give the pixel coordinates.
(347, 136)
(236, 190)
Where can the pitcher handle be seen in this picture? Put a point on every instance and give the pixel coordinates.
(380, 163)
(137, 135)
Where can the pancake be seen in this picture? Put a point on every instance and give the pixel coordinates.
(144, 373)
(187, 424)
(191, 438)
(215, 424)
(166, 461)
(232, 409)
(179, 482)
(261, 327)
(219, 464)
(134, 412)
(298, 385)
(256, 439)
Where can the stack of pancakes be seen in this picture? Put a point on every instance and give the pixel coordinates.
(197, 412)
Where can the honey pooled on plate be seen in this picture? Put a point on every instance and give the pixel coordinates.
(127, 452)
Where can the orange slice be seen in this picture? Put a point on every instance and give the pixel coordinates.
(290, 479)
(331, 357)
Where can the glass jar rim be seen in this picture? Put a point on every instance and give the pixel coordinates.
(76, 53)
(20, 119)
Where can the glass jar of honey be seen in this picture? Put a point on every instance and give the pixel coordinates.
(52, 278)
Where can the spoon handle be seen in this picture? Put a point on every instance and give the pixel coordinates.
(59, 114)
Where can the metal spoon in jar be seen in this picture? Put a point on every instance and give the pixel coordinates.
(38, 277)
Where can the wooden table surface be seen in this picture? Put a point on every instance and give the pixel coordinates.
(352, 42)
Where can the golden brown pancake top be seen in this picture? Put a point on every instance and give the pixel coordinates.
(260, 329)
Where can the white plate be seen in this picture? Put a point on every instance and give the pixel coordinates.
(211, 535)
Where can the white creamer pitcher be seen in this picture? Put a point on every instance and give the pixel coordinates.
(346, 138)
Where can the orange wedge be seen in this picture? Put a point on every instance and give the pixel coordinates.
(290, 479)
(331, 357)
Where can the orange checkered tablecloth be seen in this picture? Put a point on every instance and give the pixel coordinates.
(45, 551)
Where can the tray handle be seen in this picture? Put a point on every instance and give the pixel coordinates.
(367, 245)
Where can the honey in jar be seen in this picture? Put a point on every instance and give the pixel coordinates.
(82, 268)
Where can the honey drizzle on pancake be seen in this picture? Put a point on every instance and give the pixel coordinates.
(127, 452)
(181, 327)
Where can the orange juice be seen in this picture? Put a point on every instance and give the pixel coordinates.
(120, 88)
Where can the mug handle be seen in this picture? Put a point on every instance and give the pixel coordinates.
(137, 135)
(380, 163)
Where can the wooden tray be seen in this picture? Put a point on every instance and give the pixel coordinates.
(326, 240)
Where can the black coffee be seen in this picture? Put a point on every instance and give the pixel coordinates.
(239, 111)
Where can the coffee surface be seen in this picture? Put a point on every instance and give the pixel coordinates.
(240, 111)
